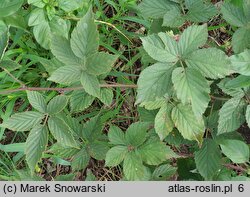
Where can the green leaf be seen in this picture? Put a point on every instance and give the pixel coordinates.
(153, 153)
(248, 115)
(155, 9)
(4, 38)
(23, 121)
(9, 7)
(235, 150)
(61, 132)
(106, 96)
(192, 87)
(60, 150)
(57, 104)
(100, 63)
(80, 100)
(35, 145)
(200, 12)
(9, 65)
(98, 150)
(241, 39)
(241, 62)
(92, 129)
(154, 82)
(132, 167)
(212, 63)
(208, 159)
(231, 115)
(233, 15)
(80, 160)
(66, 75)
(193, 37)
(116, 136)
(173, 18)
(37, 3)
(84, 38)
(189, 126)
(36, 17)
(239, 93)
(42, 33)
(161, 47)
(61, 49)
(239, 82)
(116, 155)
(14, 147)
(136, 134)
(69, 6)
(37, 101)
(90, 84)
(163, 122)
(163, 172)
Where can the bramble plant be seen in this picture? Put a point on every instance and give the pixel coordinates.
(91, 92)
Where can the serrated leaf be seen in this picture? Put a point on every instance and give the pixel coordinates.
(84, 38)
(57, 104)
(163, 172)
(37, 3)
(136, 134)
(154, 82)
(239, 93)
(155, 9)
(80, 160)
(80, 100)
(116, 136)
(92, 129)
(248, 115)
(116, 155)
(37, 101)
(132, 167)
(241, 62)
(235, 150)
(90, 84)
(66, 75)
(62, 151)
(42, 34)
(153, 153)
(152, 105)
(185, 121)
(69, 6)
(23, 121)
(208, 159)
(173, 18)
(98, 150)
(9, 64)
(35, 145)
(241, 39)
(233, 15)
(239, 82)
(61, 49)
(161, 47)
(212, 63)
(61, 132)
(8, 7)
(106, 96)
(199, 11)
(231, 115)
(4, 38)
(36, 17)
(192, 87)
(193, 37)
(100, 63)
(163, 122)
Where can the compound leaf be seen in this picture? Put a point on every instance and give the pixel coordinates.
(116, 155)
(37, 101)
(57, 104)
